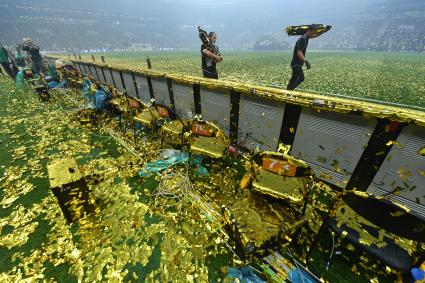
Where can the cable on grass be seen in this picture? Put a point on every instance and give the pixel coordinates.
(173, 185)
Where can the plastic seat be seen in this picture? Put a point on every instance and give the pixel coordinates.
(390, 253)
(289, 188)
(173, 132)
(147, 117)
(371, 223)
(281, 176)
(207, 139)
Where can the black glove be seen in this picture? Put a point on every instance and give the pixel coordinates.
(308, 65)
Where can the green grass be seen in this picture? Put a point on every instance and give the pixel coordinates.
(388, 77)
(33, 134)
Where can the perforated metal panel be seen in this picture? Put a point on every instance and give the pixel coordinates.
(96, 74)
(184, 101)
(403, 171)
(92, 71)
(77, 65)
(216, 108)
(332, 143)
(108, 76)
(99, 72)
(49, 60)
(160, 91)
(117, 79)
(83, 68)
(129, 84)
(142, 85)
(86, 68)
(260, 122)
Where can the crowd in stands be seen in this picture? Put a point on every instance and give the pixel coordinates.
(391, 34)
(59, 30)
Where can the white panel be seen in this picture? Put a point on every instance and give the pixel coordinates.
(260, 122)
(332, 143)
(96, 74)
(129, 84)
(418, 208)
(160, 91)
(84, 68)
(92, 71)
(79, 68)
(118, 82)
(403, 171)
(216, 108)
(184, 101)
(142, 85)
(108, 76)
(99, 72)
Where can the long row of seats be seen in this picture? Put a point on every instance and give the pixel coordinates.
(370, 223)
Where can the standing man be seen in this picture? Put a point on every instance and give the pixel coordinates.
(34, 51)
(298, 58)
(209, 58)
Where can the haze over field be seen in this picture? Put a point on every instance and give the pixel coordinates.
(384, 25)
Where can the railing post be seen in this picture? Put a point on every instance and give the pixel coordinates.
(235, 98)
(171, 94)
(197, 98)
(135, 84)
(148, 61)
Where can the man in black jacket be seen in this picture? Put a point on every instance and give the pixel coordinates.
(209, 59)
(37, 61)
(298, 58)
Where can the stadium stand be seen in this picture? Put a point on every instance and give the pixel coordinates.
(396, 29)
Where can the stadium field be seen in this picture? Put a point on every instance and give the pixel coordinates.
(131, 238)
(385, 77)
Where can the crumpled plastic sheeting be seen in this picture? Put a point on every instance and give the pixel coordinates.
(127, 239)
(170, 159)
(243, 275)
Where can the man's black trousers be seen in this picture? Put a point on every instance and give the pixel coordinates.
(210, 73)
(297, 77)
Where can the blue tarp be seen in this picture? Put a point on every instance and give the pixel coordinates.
(175, 158)
(101, 98)
(20, 79)
(300, 276)
(244, 275)
(55, 84)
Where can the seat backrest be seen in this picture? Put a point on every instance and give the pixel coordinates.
(162, 111)
(133, 103)
(280, 164)
(202, 129)
(387, 215)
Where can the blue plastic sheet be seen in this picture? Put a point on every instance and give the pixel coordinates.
(300, 276)
(418, 274)
(89, 94)
(175, 158)
(101, 98)
(244, 275)
(51, 71)
(20, 79)
(55, 84)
